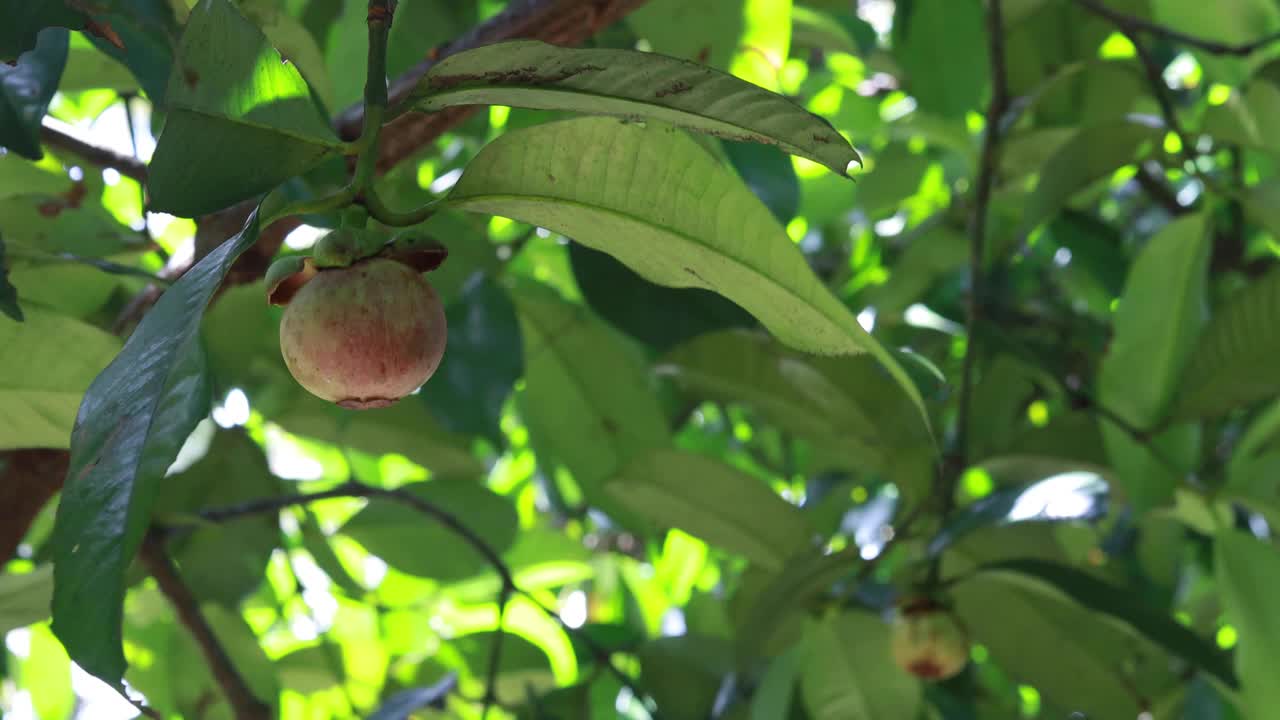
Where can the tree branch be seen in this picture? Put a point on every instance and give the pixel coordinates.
(58, 134)
(243, 702)
(1132, 23)
(983, 188)
(495, 655)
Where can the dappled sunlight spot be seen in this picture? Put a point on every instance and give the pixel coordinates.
(18, 642)
(234, 410)
(1183, 72)
(922, 316)
(827, 101)
(373, 569)
(977, 482)
(304, 236)
(445, 182)
(891, 226)
(1226, 637)
(1029, 699)
(20, 706)
(573, 611)
(806, 168)
(287, 459)
(1064, 496)
(1218, 94)
(867, 319)
(673, 623)
(194, 448)
(896, 106)
(1117, 46)
(99, 700)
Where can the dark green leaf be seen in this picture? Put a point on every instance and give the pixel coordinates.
(27, 88)
(684, 673)
(417, 544)
(629, 84)
(149, 33)
(705, 31)
(1232, 363)
(1248, 570)
(25, 19)
(587, 401)
(938, 34)
(769, 602)
(1123, 605)
(8, 293)
(661, 317)
(770, 175)
(481, 364)
(777, 690)
(679, 489)
(240, 121)
(132, 422)
(613, 186)
(317, 544)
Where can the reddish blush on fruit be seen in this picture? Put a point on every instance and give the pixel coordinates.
(364, 336)
(928, 641)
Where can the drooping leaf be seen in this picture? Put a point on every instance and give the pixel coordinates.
(46, 364)
(849, 674)
(688, 491)
(1248, 573)
(24, 597)
(482, 363)
(634, 85)
(131, 424)
(768, 602)
(1066, 495)
(1232, 363)
(778, 688)
(8, 293)
(26, 89)
(587, 401)
(149, 33)
(845, 405)
(1121, 605)
(417, 544)
(652, 198)
(25, 20)
(661, 317)
(240, 120)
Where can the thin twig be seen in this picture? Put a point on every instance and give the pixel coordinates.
(977, 239)
(244, 703)
(1134, 23)
(492, 557)
(63, 136)
(495, 655)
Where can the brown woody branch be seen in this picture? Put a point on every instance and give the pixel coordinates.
(244, 703)
(65, 137)
(1132, 23)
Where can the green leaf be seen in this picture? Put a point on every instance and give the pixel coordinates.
(1120, 605)
(849, 673)
(24, 20)
(587, 402)
(45, 673)
(1160, 315)
(34, 225)
(317, 544)
(240, 120)
(482, 364)
(1090, 155)
(149, 33)
(27, 88)
(769, 601)
(132, 422)
(223, 562)
(296, 44)
(46, 364)
(633, 85)
(1231, 365)
(24, 597)
(1248, 573)
(777, 690)
(679, 489)
(1034, 635)
(683, 673)
(704, 31)
(416, 544)
(661, 317)
(846, 405)
(402, 705)
(8, 293)
(938, 34)
(770, 174)
(652, 198)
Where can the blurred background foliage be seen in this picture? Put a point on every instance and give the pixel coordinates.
(717, 521)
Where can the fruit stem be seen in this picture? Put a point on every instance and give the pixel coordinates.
(375, 92)
(379, 211)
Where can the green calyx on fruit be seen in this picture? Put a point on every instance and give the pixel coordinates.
(928, 640)
(364, 336)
